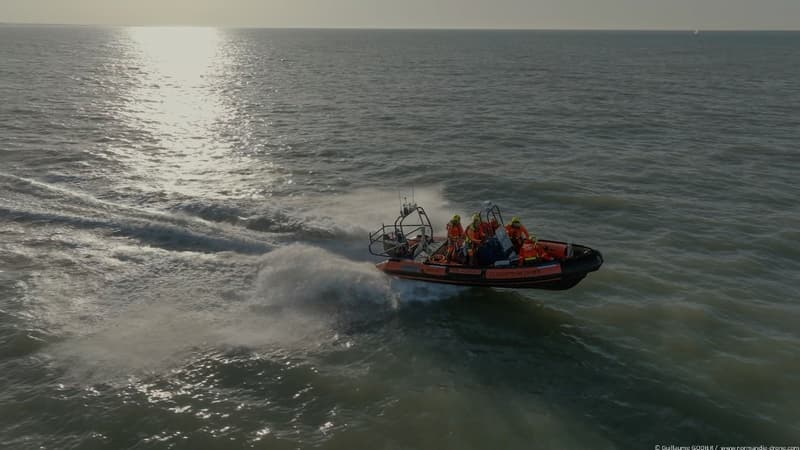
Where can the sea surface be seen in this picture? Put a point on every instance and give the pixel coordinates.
(183, 238)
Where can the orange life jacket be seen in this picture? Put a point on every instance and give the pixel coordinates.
(475, 235)
(517, 233)
(455, 231)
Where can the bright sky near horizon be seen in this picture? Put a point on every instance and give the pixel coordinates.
(547, 14)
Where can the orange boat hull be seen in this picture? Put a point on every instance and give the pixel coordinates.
(552, 275)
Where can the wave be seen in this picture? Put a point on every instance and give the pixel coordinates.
(41, 204)
(303, 276)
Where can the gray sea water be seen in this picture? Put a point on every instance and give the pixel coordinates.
(184, 216)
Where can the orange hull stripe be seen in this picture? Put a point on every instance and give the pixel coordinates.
(475, 282)
(465, 271)
(491, 274)
(438, 271)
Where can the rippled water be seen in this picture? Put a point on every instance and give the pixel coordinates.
(183, 217)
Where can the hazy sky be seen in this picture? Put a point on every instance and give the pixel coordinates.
(615, 14)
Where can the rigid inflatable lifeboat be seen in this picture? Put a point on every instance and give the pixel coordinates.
(413, 253)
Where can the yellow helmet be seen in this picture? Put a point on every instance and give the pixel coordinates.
(456, 218)
(515, 220)
(476, 217)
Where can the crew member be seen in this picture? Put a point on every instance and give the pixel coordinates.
(455, 237)
(474, 239)
(517, 233)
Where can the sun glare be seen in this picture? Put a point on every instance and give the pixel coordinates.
(179, 54)
(177, 103)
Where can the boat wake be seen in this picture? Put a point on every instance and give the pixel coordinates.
(301, 299)
(47, 207)
(115, 289)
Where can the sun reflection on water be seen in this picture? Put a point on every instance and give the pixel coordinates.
(178, 107)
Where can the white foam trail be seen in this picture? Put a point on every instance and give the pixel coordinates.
(141, 339)
(304, 276)
(362, 211)
(301, 275)
(40, 202)
(300, 298)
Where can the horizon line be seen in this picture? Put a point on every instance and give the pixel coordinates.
(409, 28)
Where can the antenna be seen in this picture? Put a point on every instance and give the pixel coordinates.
(412, 194)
